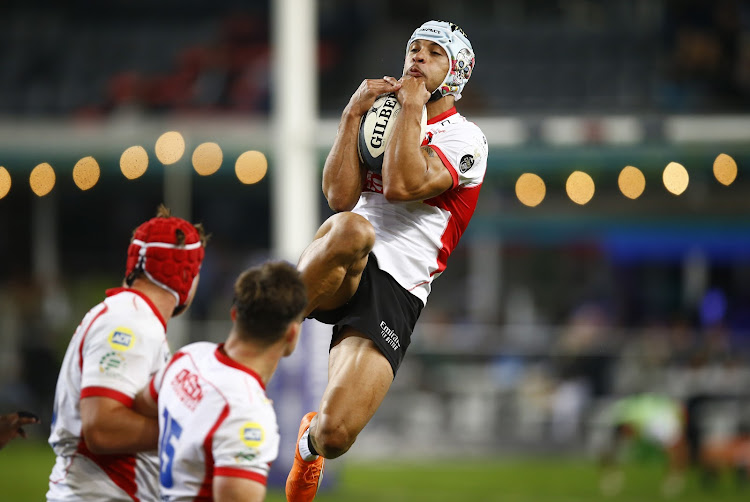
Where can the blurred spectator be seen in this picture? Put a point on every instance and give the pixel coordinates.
(578, 56)
(703, 43)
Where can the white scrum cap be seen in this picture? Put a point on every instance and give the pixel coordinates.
(455, 42)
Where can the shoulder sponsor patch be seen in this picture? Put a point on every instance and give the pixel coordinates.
(252, 434)
(121, 339)
(466, 162)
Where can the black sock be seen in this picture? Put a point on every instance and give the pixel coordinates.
(310, 444)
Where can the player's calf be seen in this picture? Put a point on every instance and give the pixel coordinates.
(331, 440)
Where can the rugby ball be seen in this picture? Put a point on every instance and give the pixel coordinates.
(375, 130)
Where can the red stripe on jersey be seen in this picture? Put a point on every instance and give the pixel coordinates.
(83, 338)
(223, 358)
(442, 116)
(234, 472)
(460, 203)
(447, 164)
(208, 479)
(152, 390)
(114, 291)
(119, 468)
(107, 392)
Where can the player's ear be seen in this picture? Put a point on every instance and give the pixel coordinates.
(233, 313)
(291, 337)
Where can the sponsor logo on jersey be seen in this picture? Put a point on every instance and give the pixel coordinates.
(466, 162)
(121, 339)
(111, 361)
(252, 434)
(246, 456)
(389, 335)
(373, 182)
(187, 387)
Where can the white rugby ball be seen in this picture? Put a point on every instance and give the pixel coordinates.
(376, 127)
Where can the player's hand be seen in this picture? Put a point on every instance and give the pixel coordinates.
(365, 95)
(11, 425)
(413, 90)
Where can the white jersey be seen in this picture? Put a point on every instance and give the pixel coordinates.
(214, 420)
(414, 239)
(116, 349)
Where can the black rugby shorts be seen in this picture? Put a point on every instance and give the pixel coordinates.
(381, 310)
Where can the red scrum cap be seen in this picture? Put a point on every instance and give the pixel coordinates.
(169, 251)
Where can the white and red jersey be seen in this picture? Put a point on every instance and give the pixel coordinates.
(116, 349)
(214, 420)
(414, 239)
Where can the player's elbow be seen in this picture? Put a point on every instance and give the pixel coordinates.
(339, 202)
(339, 206)
(397, 193)
(97, 440)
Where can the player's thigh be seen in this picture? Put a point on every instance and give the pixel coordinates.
(359, 377)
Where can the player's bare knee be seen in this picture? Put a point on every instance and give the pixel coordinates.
(353, 233)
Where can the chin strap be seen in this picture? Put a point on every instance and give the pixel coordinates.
(435, 95)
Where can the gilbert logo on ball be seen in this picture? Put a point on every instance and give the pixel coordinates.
(375, 130)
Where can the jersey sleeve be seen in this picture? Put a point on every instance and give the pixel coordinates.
(246, 444)
(463, 149)
(118, 358)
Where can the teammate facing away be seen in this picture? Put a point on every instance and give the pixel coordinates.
(218, 433)
(105, 450)
(370, 267)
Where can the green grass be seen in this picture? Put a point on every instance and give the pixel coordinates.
(25, 466)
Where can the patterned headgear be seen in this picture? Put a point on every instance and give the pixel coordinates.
(460, 53)
(156, 252)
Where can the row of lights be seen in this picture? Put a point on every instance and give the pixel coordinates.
(531, 190)
(250, 167)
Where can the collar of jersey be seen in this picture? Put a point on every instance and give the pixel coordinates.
(223, 358)
(442, 116)
(116, 291)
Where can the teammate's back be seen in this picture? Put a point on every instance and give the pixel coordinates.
(104, 449)
(217, 429)
(215, 419)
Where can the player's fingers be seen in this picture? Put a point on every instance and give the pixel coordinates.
(26, 421)
(27, 417)
(392, 81)
(379, 86)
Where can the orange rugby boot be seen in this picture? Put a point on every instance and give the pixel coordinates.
(304, 478)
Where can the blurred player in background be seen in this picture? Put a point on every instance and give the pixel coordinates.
(105, 450)
(11, 425)
(218, 432)
(640, 425)
(370, 268)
